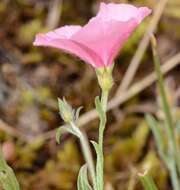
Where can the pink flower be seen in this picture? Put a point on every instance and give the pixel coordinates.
(99, 41)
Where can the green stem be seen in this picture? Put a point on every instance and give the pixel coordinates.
(87, 155)
(105, 81)
(104, 99)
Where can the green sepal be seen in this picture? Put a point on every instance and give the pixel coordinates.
(104, 76)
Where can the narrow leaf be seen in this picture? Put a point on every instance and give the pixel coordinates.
(7, 177)
(157, 135)
(147, 182)
(99, 166)
(82, 182)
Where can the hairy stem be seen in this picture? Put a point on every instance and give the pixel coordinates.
(104, 99)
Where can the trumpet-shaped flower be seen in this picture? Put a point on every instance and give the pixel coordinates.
(99, 41)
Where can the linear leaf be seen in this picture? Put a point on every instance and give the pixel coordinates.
(157, 135)
(147, 182)
(7, 177)
(83, 183)
(99, 166)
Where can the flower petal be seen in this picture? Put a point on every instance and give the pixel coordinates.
(143, 12)
(107, 32)
(64, 32)
(92, 36)
(121, 12)
(119, 37)
(51, 39)
(99, 41)
(105, 38)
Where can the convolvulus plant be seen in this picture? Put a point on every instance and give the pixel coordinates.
(170, 154)
(97, 43)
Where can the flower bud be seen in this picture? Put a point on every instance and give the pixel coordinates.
(66, 111)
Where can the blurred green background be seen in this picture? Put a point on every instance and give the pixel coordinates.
(31, 79)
